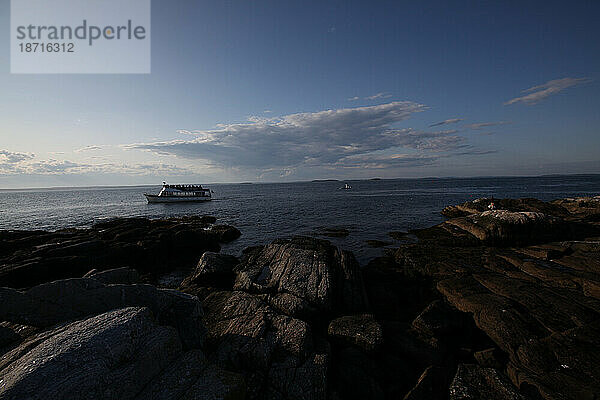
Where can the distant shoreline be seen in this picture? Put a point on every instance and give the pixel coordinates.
(304, 181)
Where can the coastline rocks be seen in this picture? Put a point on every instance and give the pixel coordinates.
(151, 247)
(502, 227)
(213, 269)
(277, 353)
(116, 275)
(114, 355)
(358, 330)
(313, 271)
(515, 205)
(474, 382)
(70, 299)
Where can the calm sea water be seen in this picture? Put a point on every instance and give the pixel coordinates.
(264, 212)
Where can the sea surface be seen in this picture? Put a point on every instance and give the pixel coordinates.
(265, 211)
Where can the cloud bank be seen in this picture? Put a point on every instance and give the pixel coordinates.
(540, 92)
(325, 138)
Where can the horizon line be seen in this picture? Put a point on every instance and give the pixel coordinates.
(315, 180)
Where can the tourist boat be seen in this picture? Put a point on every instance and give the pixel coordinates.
(346, 187)
(179, 193)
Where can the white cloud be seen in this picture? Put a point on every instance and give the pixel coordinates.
(448, 121)
(91, 148)
(66, 167)
(353, 98)
(381, 95)
(481, 125)
(9, 157)
(305, 138)
(540, 92)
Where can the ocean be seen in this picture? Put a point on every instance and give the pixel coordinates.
(265, 211)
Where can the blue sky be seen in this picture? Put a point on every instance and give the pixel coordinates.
(279, 91)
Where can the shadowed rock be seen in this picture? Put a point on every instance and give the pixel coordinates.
(277, 353)
(317, 273)
(70, 299)
(121, 354)
(474, 382)
(359, 330)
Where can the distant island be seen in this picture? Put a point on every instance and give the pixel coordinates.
(325, 180)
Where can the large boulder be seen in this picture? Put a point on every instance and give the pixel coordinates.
(360, 330)
(502, 227)
(121, 354)
(213, 269)
(55, 302)
(314, 272)
(277, 353)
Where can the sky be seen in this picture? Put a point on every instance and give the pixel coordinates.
(269, 91)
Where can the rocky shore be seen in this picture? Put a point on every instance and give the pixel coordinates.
(490, 304)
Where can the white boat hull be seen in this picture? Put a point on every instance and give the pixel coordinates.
(154, 198)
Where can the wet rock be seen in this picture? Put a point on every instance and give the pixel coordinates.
(474, 382)
(328, 279)
(225, 233)
(358, 330)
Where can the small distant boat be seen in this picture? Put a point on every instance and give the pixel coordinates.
(346, 187)
(180, 193)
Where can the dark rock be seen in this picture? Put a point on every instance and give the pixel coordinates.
(59, 301)
(397, 235)
(490, 358)
(475, 382)
(191, 376)
(276, 353)
(432, 385)
(501, 227)
(121, 354)
(225, 233)
(355, 375)
(213, 269)
(117, 275)
(439, 320)
(514, 205)
(152, 247)
(358, 330)
(327, 279)
(72, 361)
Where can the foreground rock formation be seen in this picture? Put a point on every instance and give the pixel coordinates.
(151, 247)
(491, 304)
(529, 277)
